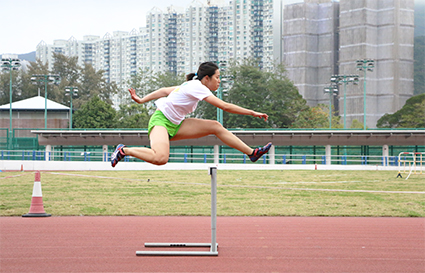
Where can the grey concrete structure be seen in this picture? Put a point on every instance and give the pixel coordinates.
(383, 31)
(311, 46)
(323, 37)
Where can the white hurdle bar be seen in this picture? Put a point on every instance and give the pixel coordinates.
(213, 245)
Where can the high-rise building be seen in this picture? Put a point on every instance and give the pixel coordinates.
(178, 39)
(84, 50)
(44, 52)
(87, 50)
(310, 46)
(170, 39)
(324, 37)
(314, 39)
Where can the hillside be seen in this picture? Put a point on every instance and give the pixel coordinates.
(419, 19)
(30, 57)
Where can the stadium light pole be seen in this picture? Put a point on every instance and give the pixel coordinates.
(365, 65)
(71, 91)
(9, 64)
(345, 79)
(332, 90)
(222, 67)
(46, 79)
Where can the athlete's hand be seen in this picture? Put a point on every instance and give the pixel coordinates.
(261, 115)
(134, 96)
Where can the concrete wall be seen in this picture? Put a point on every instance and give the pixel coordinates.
(381, 30)
(321, 38)
(309, 47)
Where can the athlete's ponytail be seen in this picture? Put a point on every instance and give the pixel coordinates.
(190, 76)
(205, 69)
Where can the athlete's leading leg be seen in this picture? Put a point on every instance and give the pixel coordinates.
(196, 128)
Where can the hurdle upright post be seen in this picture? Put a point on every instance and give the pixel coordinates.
(213, 245)
(213, 173)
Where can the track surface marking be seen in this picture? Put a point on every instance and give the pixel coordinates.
(246, 244)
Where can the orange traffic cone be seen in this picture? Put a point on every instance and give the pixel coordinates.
(37, 208)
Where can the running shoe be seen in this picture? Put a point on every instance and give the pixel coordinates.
(117, 155)
(258, 152)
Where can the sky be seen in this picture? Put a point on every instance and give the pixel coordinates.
(25, 23)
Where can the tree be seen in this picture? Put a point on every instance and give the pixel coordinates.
(5, 87)
(133, 116)
(88, 81)
(316, 117)
(145, 82)
(21, 83)
(356, 124)
(28, 88)
(141, 82)
(69, 71)
(95, 113)
(411, 115)
(92, 83)
(67, 68)
(268, 92)
(166, 79)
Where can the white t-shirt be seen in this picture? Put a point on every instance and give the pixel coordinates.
(183, 100)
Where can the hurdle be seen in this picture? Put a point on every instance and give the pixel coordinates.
(213, 245)
(412, 164)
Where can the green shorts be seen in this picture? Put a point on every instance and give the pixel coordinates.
(158, 119)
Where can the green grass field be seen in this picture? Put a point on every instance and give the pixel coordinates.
(239, 193)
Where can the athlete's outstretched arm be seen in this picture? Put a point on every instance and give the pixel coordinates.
(233, 108)
(162, 92)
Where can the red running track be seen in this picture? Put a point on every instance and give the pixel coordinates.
(246, 244)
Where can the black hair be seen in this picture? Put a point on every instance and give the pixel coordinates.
(205, 69)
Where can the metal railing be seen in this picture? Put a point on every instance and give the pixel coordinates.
(207, 157)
